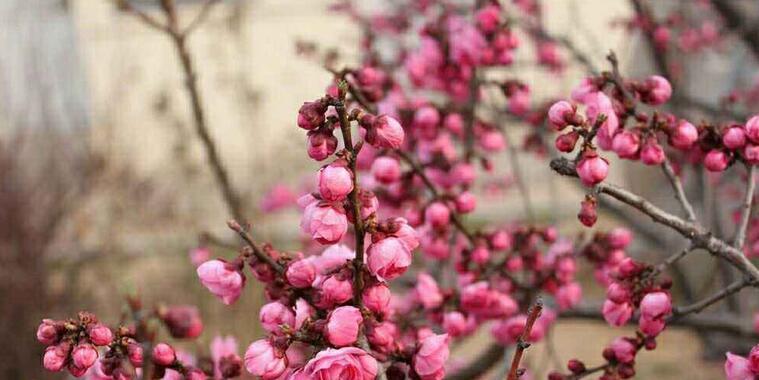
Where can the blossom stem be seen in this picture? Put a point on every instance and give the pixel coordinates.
(522, 344)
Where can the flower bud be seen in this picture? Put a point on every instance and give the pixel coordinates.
(386, 170)
(273, 315)
(262, 359)
(47, 332)
(163, 354)
(566, 142)
(230, 366)
(427, 291)
(626, 144)
(561, 114)
(734, 138)
(588, 214)
(592, 169)
(377, 299)
(321, 144)
(343, 326)
(134, 351)
(335, 182)
(324, 223)
(430, 359)
(437, 214)
(752, 129)
(334, 291)
(465, 202)
(100, 335)
(683, 135)
(382, 335)
(624, 350)
(751, 154)
(388, 258)
(223, 279)
(616, 314)
(55, 357)
(658, 90)
(311, 115)
(716, 160)
(655, 305)
(575, 366)
(652, 153)
(385, 132)
(301, 274)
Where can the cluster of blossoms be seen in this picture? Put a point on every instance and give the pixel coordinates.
(739, 368)
(610, 103)
(86, 347)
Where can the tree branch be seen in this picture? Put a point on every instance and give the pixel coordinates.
(748, 198)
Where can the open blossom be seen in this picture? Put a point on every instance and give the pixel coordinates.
(324, 223)
(263, 359)
(561, 114)
(343, 326)
(275, 314)
(388, 258)
(163, 354)
(738, 368)
(377, 298)
(616, 314)
(335, 182)
(223, 279)
(427, 291)
(347, 363)
(431, 356)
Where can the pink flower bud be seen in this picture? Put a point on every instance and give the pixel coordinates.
(716, 160)
(431, 356)
(197, 374)
(134, 351)
(454, 122)
(492, 141)
(100, 335)
(324, 223)
(652, 153)
(623, 350)
(751, 154)
(738, 368)
(588, 214)
(592, 169)
(334, 291)
(47, 332)
(655, 305)
(343, 326)
(183, 321)
(164, 355)
(427, 291)
(388, 258)
(616, 314)
(488, 18)
(385, 132)
(311, 115)
(566, 142)
(465, 202)
(335, 182)
(426, 120)
(382, 335)
(752, 129)
(386, 170)
(222, 279)
(683, 135)
(561, 114)
(463, 173)
(55, 357)
(651, 327)
(321, 144)
(301, 273)
(501, 240)
(658, 90)
(262, 359)
(618, 293)
(275, 314)
(734, 138)
(626, 144)
(568, 295)
(84, 355)
(753, 359)
(377, 299)
(437, 214)
(456, 324)
(519, 101)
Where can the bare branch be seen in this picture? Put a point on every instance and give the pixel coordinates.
(740, 234)
(674, 180)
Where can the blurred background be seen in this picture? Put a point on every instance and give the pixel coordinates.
(104, 186)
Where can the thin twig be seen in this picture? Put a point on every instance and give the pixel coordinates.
(201, 17)
(740, 234)
(522, 344)
(149, 20)
(257, 251)
(677, 186)
(697, 307)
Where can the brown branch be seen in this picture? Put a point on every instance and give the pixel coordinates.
(126, 6)
(697, 307)
(522, 344)
(735, 19)
(257, 251)
(740, 234)
(695, 233)
(200, 18)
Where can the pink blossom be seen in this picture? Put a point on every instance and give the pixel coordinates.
(347, 363)
(303, 311)
(616, 314)
(382, 335)
(199, 255)
(519, 102)
(568, 295)
(324, 223)
(311, 115)
(600, 104)
(465, 202)
(456, 324)
(584, 91)
(321, 144)
(492, 141)
(752, 129)
(335, 182)
(84, 355)
(431, 357)
(182, 321)
(716, 160)
(738, 368)
(278, 197)
(454, 123)
(388, 258)
(652, 153)
(751, 154)
(488, 18)
(386, 170)
(262, 359)
(377, 298)
(437, 214)
(592, 169)
(301, 273)
(626, 144)
(406, 234)
(343, 326)
(163, 354)
(275, 314)
(734, 138)
(623, 350)
(47, 332)
(134, 351)
(655, 305)
(222, 348)
(561, 114)
(480, 254)
(223, 279)
(566, 142)
(334, 291)
(427, 291)
(658, 90)
(100, 335)
(683, 135)
(385, 132)
(651, 326)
